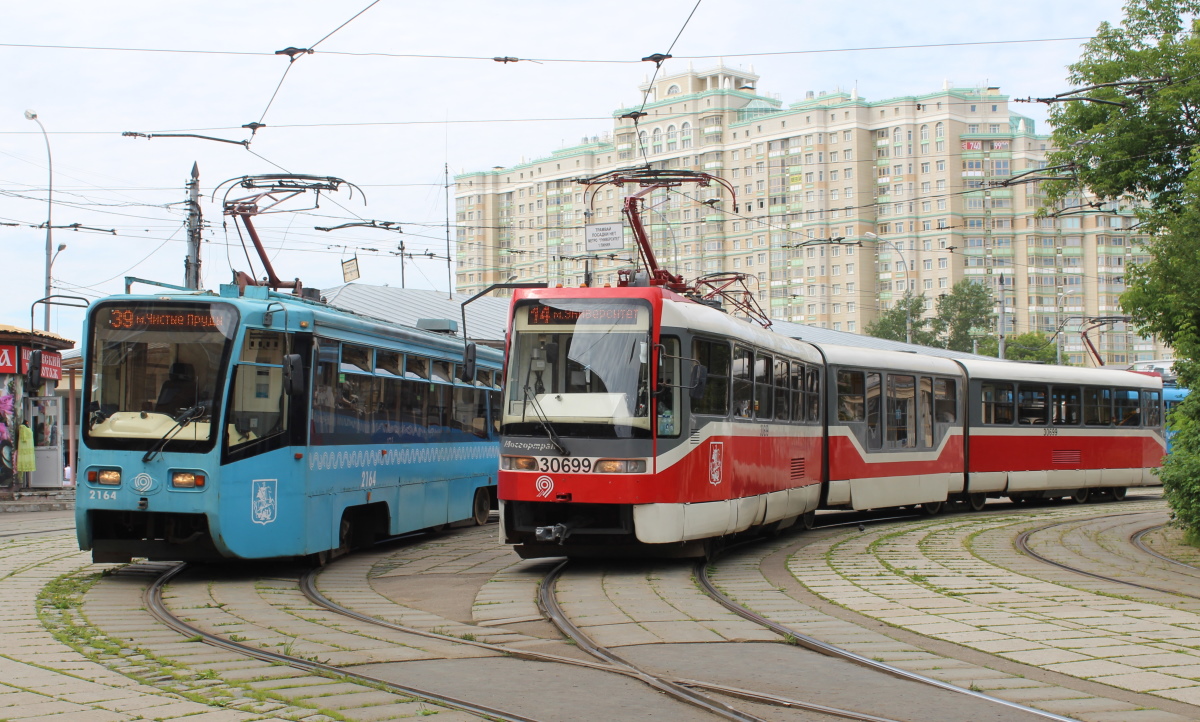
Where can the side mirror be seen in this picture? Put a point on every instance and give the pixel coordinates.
(33, 377)
(467, 371)
(293, 375)
(698, 382)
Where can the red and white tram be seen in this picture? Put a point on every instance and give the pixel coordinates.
(642, 419)
(639, 421)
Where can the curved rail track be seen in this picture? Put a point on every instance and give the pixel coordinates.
(1022, 544)
(816, 645)
(689, 691)
(681, 690)
(154, 603)
(1136, 540)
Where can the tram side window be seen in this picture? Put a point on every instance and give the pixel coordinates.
(902, 412)
(781, 389)
(997, 403)
(813, 382)
(667, 399)
(356, 359)
(743, 383)
(926, 397)
(416, 367)
(797, 383)
(763, 393)
(388, 427)
(371, 396)
(1065, 404)
(324, 391)
(437, 419)
(714, 356)
(1031, 405)
(945, 401)
(470, 411)
(1127, 409)
(850, 396)
(494, 401)
(354, 408)
(414, 398)
(1097, 407)
(874, 411)
(258, 408)
(1152, 408)
(387, 363)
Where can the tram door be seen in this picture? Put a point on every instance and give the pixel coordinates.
(44, 418)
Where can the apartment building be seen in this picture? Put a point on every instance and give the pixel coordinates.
(842, 206)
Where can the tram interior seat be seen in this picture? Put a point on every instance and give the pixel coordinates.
(178, 391)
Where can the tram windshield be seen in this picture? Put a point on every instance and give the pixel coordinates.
(579, 362)
(155, 373)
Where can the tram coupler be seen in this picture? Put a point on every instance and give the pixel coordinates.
(557, 533)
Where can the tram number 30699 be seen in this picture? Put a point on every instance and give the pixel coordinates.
(564, 464)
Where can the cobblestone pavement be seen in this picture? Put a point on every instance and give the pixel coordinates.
(947, 597)
(78, 646)
(960, 580)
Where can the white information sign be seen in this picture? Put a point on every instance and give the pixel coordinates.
(604, 237)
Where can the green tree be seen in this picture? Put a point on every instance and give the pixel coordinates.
(1031, 346)
(1140, 148)
(967, 306)
(893, 323)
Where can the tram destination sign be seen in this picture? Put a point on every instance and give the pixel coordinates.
(148, 319)
(604, 237)
(541, 315)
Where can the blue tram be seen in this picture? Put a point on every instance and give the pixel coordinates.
(255, 424)
(1172, 397)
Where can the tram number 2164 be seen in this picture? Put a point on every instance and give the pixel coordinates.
(368, 479)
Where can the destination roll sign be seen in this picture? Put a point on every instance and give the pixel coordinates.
(541, 315)
(158, 319)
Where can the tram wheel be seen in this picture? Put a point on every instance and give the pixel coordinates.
(345, 539)
(1081, 495)
(482, 506)
(932, 508)
(713, 546)
(809, 519)
(1118, 493)
(977, 500)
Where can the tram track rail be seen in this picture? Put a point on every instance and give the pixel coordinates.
(35, 532)
(1136, 540)
(1022, 544)
(671, 687)
(829, 650)
(153, 601)
(680, 689)
(688, 691)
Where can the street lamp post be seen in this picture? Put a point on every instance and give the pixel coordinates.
(907, 290)
(31, 115)
(50, 269)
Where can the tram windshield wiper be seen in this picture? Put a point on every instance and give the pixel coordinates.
(545, 422)
(188, 415)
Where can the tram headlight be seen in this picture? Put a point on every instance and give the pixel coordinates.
(111, 477)
(620, 466)
(518, 463)
(187, 480)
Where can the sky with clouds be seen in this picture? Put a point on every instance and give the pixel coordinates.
(393, 97)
